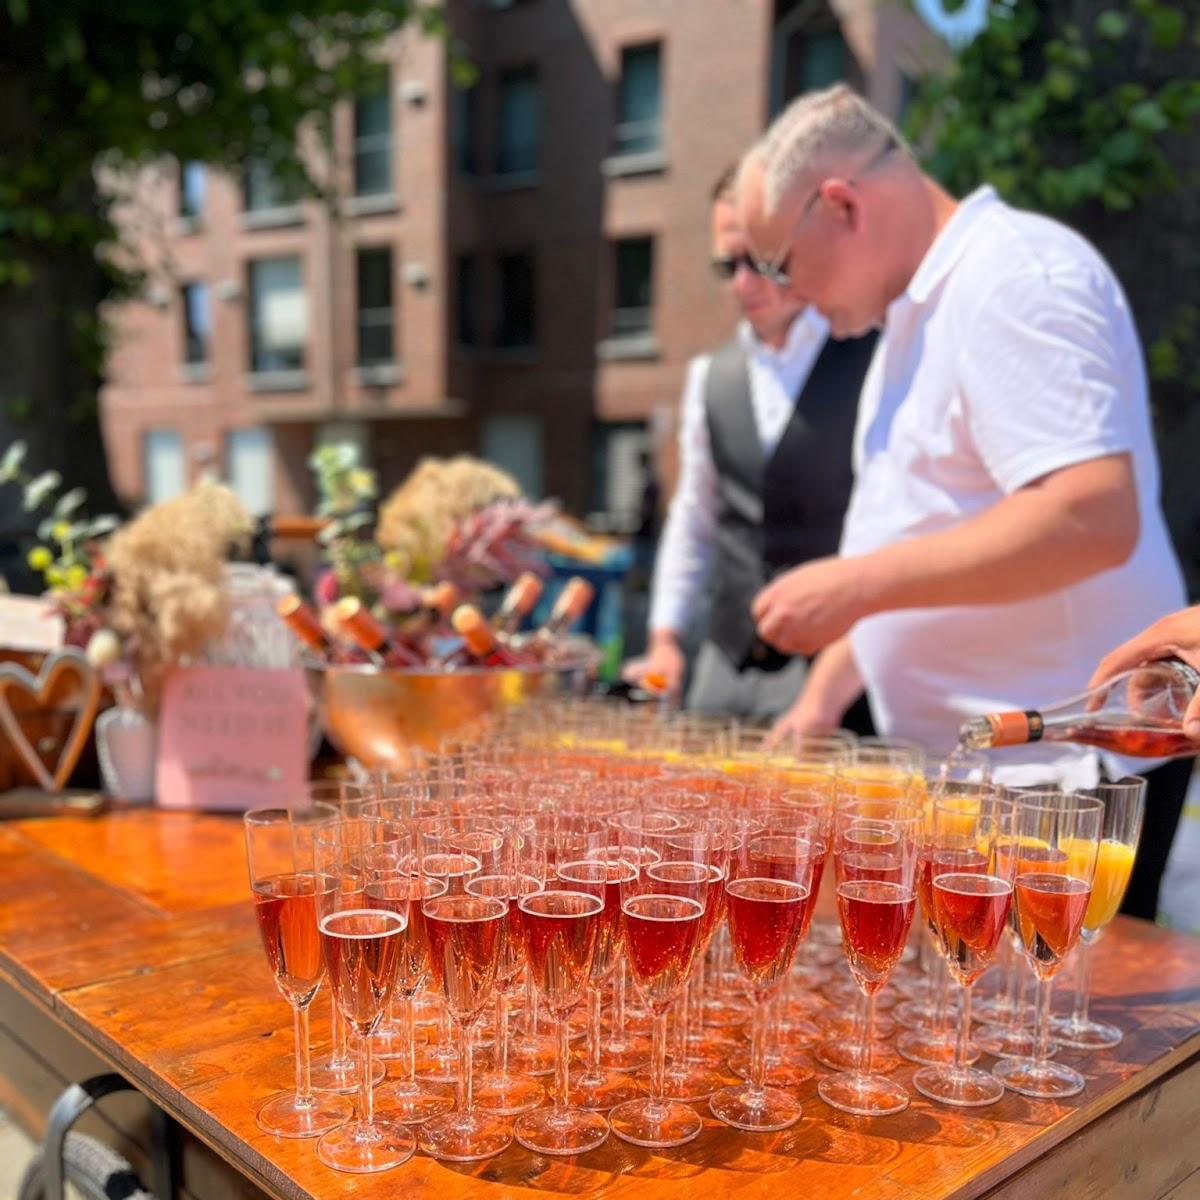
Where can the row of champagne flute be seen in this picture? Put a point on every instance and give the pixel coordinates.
(558, 908)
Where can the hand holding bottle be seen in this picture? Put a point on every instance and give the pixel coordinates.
(1174, 636)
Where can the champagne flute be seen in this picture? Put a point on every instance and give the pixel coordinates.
(769, 898)
(1058, 843)
(972, 862)
(337, 1071)
(876, 856)
(361, 948)
(279, 858)
(1124, 806)
(662, 905)
(466, 940)
(561, 926)
(502, 1090)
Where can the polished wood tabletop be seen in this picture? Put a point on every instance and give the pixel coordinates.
(136, 932)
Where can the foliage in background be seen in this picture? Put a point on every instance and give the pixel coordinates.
(1071, 108)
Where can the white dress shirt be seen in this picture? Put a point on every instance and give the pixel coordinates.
(1011, 354)
(686, 548)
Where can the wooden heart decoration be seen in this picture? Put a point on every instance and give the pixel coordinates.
(53, 684)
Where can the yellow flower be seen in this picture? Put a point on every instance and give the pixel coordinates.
(76, 576)
(40, 558)
(361, 481)
(60, 530)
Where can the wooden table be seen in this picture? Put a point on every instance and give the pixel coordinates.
(135, 932)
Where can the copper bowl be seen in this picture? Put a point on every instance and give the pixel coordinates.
(380, 716)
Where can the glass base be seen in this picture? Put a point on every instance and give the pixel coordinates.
(688, 1081)
(438, 1061)
(410, 1104)
(785, 1071)
(508, 1094)
(625, 1054)
(532, 1055)
(561, 1131)
(845, 1055)
(843, 992)
(282, 1116)
(331, 1074)
(724, 1011)
(464, 1136)
(844, 1024)
(863, 1095)
(915, 1014)
(717, 1045)
(1002, 1042)
(654, 1124)
(364, 1148)
(603, 1091)
(798, 1031)
(996, 1010)
(964, 1088)
(760, 1111)
(931, 1048)
(1085, 1035)
(1042, 1080)
(388, 1040)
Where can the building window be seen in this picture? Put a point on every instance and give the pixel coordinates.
(375, 307)
(622, 453)
(278, 315)
(249, 467)
(816, 60)
(265, 190)
(519, 145)
(465, 126)
(197, 323)
(191, 189)
(162, 464)
(467, 299)
(513, 442)
(634, 309)
(518, 301)
(639, 101)
(373, 144)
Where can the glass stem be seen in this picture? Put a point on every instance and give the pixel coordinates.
(593, 1033)
(679, 1054)
(941, 996)
(366, 1110)
(341, 1054)
(619, 1004)
(658, 1060)
(562, 1052)
(1083, 984)
(500, 1050)
(758, 1047)
(303, 1072)
(699, 988)
(868, 1033)
(1013, 990)
(464, 1085)
(1042, 1036)
(408, 1049)
(964, 1030)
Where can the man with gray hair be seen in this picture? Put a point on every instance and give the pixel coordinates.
(1005, 527)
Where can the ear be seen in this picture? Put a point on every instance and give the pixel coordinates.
(842, 203)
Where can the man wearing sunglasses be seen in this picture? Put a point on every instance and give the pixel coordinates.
(1005, 527)
(764, 477)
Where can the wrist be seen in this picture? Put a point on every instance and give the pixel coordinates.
(662, 639)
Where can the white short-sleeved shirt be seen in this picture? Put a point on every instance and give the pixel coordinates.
(1012, 353)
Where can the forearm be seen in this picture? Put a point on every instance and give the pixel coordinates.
(834, 680)
(1046, 536)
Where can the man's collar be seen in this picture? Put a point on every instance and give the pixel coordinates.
(948, 245)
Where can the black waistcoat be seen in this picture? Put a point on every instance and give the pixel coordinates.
(786, 509)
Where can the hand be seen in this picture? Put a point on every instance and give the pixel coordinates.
(1174, 636)
(810, 606)
(809, 715)
(661, 669)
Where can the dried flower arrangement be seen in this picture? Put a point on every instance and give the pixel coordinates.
(139, 597)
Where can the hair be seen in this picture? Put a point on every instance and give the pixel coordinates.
(726, 184)
(817, 133)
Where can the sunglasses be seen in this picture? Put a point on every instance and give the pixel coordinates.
(725, 267)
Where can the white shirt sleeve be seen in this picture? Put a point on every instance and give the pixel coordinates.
(1045, 377)
(685, 550)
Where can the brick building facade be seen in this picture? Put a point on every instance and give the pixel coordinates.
(518, 270)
